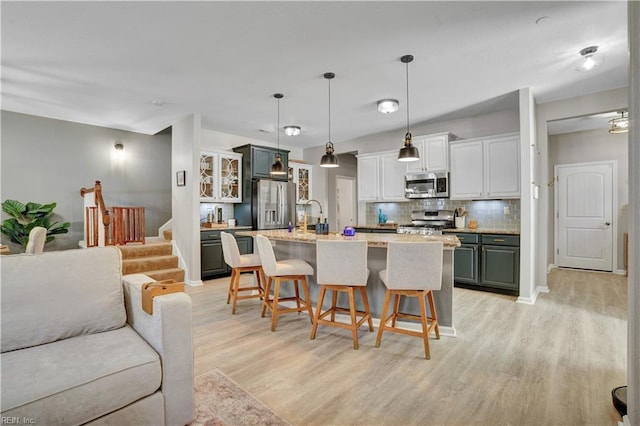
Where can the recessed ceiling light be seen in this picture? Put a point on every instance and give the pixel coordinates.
(387, 106)
(541, 19)
(292, 130)
(157, 102)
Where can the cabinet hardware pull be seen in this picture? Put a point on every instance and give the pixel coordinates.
(499, 240)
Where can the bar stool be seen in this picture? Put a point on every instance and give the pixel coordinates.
(283, 270)
(342, 267)
(240, 263)
(414, 269)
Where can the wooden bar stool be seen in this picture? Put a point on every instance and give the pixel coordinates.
(413, 269)
(240, 263)
(295, 270)
(342, 267)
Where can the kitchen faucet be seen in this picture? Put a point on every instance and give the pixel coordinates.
(304, 221)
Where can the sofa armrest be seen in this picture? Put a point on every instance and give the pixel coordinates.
(169, 332)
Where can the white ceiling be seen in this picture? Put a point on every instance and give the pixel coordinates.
(104, 63)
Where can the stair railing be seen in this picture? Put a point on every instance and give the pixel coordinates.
(115, 226)
(97, 217)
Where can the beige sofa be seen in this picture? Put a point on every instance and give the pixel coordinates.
(78, 348)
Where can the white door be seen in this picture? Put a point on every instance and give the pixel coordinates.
(345, 202)
(584, 216)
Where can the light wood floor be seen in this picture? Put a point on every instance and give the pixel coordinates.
(553, 363)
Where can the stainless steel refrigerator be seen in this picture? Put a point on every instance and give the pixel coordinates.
(273, 204)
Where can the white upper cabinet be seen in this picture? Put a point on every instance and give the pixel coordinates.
(381, 177)
(220, 177)
(434, 153)
(301, 175)
(486, 167)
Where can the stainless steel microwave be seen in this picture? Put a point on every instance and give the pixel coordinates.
(426, 185)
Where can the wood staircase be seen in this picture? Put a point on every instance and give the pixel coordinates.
(154, 259)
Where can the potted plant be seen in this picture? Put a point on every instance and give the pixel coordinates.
(25, 217)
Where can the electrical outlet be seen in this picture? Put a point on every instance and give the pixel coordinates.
(506, 210)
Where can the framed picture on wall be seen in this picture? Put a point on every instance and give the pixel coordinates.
(180, 178)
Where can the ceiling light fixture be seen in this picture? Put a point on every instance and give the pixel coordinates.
(591, 59)
(329, 159)
(277, 168)
(387, 106)
(292, 130)
(408, 152)
(619, 124)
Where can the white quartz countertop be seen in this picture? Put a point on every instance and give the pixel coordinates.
(374, 240)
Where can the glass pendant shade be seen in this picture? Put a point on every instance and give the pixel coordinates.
(329, 159)
(408, 152)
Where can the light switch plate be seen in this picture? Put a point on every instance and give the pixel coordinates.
(506, 210)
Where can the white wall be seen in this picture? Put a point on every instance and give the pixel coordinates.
(588, 146)
(185, 154)
(46, 160)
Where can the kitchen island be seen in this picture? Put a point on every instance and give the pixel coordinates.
(301, 245)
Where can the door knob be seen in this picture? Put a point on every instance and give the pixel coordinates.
(607, 223)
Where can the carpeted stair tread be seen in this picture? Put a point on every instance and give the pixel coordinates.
(145, 250)
(167, 234)
(176, 274)
(152, 263)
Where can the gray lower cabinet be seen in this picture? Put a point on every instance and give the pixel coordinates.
(212, 262)
(488, 261)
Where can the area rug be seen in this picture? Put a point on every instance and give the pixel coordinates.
(222, 402)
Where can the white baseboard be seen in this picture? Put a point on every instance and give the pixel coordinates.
(550, 267)
(194, 283)
(620, 272)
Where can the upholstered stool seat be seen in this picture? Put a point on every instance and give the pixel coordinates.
(240, 263)
(414, 269)
(342, 267)
(295, 270)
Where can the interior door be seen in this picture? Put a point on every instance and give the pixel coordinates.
(345, 202)
(584, 216)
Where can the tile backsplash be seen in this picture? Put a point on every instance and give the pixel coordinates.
(488, 213)
(227, 211)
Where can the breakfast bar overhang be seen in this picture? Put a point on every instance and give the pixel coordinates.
(301, 245)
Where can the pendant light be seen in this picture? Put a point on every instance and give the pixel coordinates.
(619, 124)
(277, 168)
(329, 159)
(408, 152)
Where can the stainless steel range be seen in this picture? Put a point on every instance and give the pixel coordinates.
(425, 222)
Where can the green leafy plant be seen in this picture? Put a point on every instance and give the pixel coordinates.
(25, 217)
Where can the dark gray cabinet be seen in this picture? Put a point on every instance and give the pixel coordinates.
(488, 261)
(212, 262)
(257, 161)
(376, 231)
(466, 259)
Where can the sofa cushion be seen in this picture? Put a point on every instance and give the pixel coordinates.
(73, 381)
(56, 295)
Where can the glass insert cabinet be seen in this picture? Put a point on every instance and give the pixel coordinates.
(220, 177)
(300, 174)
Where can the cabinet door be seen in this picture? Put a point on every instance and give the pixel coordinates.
(418, 166)
(262, 160)
(212, 258)
(436, 154)
(230, 187)
(500, 267)
(368, 178)
(245, 245)
(465, 261)
(208, 173)
(502, 167)
(466, 176)
(391, 175)
(303, 183)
